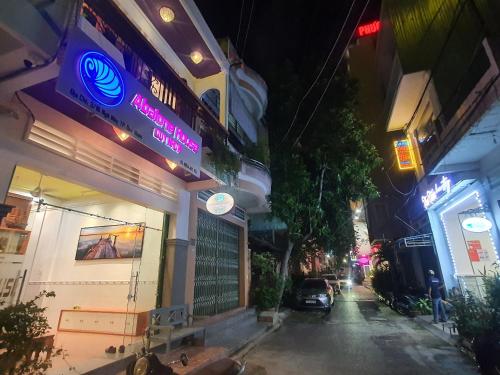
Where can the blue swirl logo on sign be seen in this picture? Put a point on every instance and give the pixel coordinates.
(102, 79)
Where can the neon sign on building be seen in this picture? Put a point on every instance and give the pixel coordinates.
(165, 132)
(432, 195)
(404, 154)
(101, 85)
(368, 29)
(102, 79)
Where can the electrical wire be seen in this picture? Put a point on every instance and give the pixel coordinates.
(54, 56)
(248, 29)
(331, 76)
(320, 72)
(239, 24)
(395, 188)
(460, 8)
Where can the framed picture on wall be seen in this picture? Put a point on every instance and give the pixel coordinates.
(110, 242)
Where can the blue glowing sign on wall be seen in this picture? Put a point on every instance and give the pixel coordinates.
(102, 79)
(95, 81)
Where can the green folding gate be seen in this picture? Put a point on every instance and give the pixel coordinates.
(217, 271)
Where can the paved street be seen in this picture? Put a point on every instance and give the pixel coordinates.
(358, 337)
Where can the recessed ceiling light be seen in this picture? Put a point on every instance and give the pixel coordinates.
(196, 56)
(171, 164)
(121, 134)
(167, 14)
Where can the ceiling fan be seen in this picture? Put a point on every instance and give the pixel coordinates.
(38, 191)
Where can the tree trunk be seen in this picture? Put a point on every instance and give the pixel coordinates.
(284, 271)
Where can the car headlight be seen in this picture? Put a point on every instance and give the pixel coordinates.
(322, 295)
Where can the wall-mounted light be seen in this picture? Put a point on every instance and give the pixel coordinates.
(171, 164)
(196, 57)
(121, 134)
(167, 14)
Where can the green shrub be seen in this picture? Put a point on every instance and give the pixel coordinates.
(424, 306)
(20, 326)
(266, 281)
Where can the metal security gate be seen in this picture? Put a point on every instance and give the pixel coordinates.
(217, 270)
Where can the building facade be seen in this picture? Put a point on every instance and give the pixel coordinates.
(111, 112)
(440, 80)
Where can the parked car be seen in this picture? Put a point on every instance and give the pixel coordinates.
(314, 294)
(345, 282)
(333, 280)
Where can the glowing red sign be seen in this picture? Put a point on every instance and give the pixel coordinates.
(368, 29)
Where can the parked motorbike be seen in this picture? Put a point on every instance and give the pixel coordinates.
(147, 363)
(224, 366)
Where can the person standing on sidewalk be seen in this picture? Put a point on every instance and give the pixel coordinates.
(435, 286)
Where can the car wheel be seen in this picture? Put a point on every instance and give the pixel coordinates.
(328, 310)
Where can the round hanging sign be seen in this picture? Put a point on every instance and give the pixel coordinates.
(476, 224)
(220, 203)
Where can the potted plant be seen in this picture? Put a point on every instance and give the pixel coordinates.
(25, 347)
(478, 323)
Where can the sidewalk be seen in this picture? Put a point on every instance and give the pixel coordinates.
(230, 337)
(445, 331)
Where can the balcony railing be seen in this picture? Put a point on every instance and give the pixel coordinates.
(151, 70)
(444, 137)
(256, 164)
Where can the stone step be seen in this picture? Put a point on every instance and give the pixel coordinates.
(248, 314)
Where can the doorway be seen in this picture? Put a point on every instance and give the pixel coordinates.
(217, 267)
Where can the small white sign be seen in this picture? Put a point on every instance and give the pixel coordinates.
(476, 224)
(220, 203)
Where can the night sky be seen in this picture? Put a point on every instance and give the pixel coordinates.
(302, 31)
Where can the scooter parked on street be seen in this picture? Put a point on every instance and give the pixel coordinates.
(148, 363)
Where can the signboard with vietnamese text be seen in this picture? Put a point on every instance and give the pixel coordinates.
(93, 80)
(404, 154)
(436, 192)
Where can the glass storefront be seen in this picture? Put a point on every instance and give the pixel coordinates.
(100, 255)
(468, 232)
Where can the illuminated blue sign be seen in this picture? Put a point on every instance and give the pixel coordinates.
(102, 79)
(95, 81)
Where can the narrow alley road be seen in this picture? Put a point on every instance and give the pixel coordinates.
(359, 337)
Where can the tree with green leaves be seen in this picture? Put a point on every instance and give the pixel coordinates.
(317, 171)
(22, 327)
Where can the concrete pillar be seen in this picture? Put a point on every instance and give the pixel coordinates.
(244, 266)
(191, 253)
(175, 284)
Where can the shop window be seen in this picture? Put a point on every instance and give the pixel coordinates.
(13, 234)
(212, 99)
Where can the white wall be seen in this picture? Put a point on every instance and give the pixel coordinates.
(91, 284)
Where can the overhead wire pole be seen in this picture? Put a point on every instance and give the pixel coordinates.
(320, 72)
(331, 77)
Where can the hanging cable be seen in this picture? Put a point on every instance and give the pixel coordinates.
(248, 29)
(460, 8)
(394, 186)
(331, 76)
(239, 24)
(320, 72)
(41, 202)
